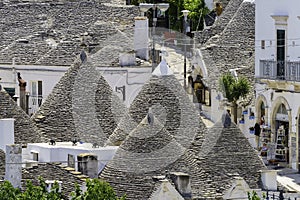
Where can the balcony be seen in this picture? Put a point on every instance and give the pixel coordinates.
(279, 70)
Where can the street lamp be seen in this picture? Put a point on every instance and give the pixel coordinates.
(185, 14)
(144, 7)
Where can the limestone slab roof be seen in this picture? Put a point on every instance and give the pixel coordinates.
(227, 153)
(170, 104)
(54, 172)
(82, 105)
(233, 48)
(24, 130)
(220, 24)
(51, 33)
(148, 151)
(2, 164)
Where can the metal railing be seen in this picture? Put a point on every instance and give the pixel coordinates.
(279, 70)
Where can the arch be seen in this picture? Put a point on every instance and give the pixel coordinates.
(275, 106)
(199, 63)
(259, 100)
(298, 136)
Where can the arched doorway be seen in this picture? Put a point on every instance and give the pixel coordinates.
(262, 109)
(201, 92)
(282, 132)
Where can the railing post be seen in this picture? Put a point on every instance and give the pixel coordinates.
(281, 195)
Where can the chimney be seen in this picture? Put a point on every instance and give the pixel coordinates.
(182, 184)
(88, 164)
(141, 37)
(13, 164)
(268, 179)
(22, 85)
(6, 132)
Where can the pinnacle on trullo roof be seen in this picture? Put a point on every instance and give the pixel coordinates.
(170, 104)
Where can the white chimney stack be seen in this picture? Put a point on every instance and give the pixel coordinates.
(182, 184)
(6, 133)
(269, 179)
(141, 35)
(13, 164)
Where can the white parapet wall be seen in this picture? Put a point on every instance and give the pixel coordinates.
(141, 37)
(6, 132)
(61, 151)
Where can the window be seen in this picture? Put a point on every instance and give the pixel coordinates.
(281, 28)
(37, 93)
(263, 44)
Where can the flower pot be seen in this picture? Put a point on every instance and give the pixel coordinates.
(245, 112)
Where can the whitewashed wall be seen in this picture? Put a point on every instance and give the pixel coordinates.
(7, 135)
(60, 151)
(132, 77)
(265, 29)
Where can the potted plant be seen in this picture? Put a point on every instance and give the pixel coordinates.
(242, 120)
(251, 130)
(251, 117)
(245, 112)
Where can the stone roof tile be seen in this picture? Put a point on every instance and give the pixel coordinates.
(170, 104)
(51, 33)
(148, 151)
(2, 164)
(24, 130)
(82, 105)
(49, 171)
(227, 153)
(234, 48)
(221, 23)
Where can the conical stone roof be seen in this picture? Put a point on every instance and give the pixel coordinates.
(82, 105)
(147, 148)
(170, 104)
(148, 151)
(50, 171)
(221, 22)
(24, 130)
(227, 153)
(233, 48)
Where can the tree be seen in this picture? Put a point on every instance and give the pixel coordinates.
(96, 190)
(197, 10)
(8, 192)
(234, 89)
(39, 192)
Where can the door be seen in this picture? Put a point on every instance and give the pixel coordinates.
(280, 54)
